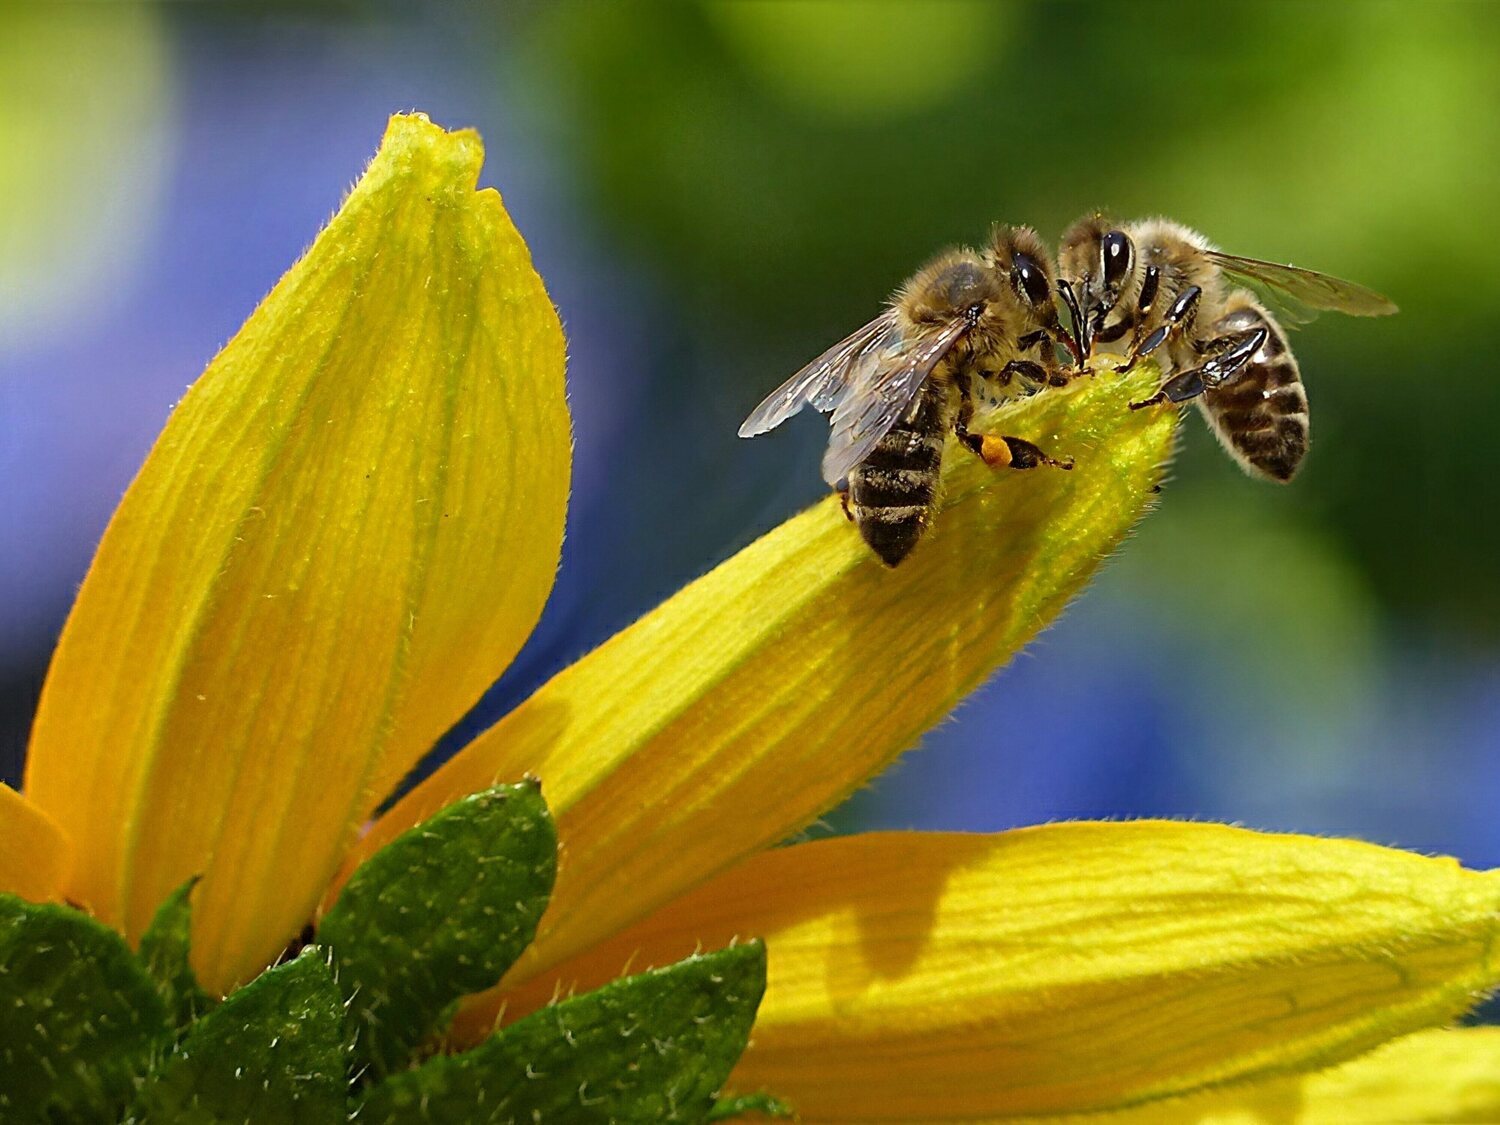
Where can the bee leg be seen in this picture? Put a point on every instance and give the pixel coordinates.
(966, 410)
(1055, 374)
(1131, 320)
(1179, 316)
(1145, 301)
(1231, 355)
(1000, 452)
(1031, 371)
(1115, 331)
(843, 494)
(1100, 333)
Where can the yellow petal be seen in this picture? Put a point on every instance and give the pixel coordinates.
(1070, 968)
(343, 535)
(34, 852)
(1445, 1076)
(762, 694)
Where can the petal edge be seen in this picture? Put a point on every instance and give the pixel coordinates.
(35, 853)
(1069, 968)
(299, 593)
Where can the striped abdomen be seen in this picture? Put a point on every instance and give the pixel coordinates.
(892, 492)
(1260, 414)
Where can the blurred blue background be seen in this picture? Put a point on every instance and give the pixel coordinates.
(716, 191)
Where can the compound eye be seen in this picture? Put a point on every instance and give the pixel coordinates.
(1116, 254)
(1030, 280)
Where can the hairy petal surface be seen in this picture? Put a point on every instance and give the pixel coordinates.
(34, 852)
(1070, 968)
(762, 694)
(343, 535)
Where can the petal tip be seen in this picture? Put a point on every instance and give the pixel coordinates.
(36, 854)
(413, 142)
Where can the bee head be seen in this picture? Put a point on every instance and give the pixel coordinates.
(1023, 258)
(964, 287)
(956, 285)
(1096, 260)
(1116, 260)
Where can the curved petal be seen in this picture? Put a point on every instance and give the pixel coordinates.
(1070, 968)
(762, 694)
(1444, 1075)
(34, 851)
(343, 535)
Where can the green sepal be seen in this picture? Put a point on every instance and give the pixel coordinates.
(741, 1105)
(653, 1047)
(272, 1051)
(79, 1018)
(439, 912)
(164, 951)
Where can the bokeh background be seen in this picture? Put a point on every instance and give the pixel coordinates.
(716, 191)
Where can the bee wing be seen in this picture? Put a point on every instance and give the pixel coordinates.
(825, 380)
(1306, 287)
(872, 405)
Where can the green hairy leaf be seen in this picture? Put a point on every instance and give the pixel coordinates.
(441, 911)
(653, 1047)
(164, 952)
(272, 1052)
(79, 1018)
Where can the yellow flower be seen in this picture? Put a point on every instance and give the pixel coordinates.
(1447, 1076)
(348, 529)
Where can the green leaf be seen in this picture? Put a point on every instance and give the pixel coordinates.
(164, 952)
(441, 911)
(79, 1018)
(763, 1105)
(273, 1052)
(653, 1047)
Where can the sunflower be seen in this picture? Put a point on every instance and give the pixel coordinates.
(349, 527)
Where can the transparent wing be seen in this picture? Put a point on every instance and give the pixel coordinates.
(873, 404)
(1306, 287)
(1289, 313)
(824, 381)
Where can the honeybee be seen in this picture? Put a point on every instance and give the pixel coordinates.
(1165, 286)
(899, 384)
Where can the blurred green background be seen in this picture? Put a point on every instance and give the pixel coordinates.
(715, 192)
